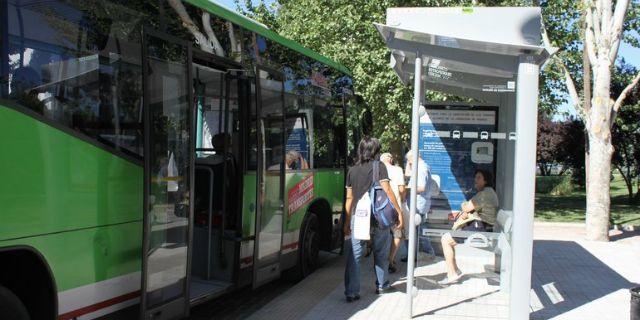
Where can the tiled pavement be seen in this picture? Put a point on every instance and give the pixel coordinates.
(577, 279)
(572, 279)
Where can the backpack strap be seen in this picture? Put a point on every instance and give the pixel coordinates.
(372, 190)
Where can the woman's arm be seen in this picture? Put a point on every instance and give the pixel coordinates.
(387, 189)
(346, 228)
(303, 163)
(468, 206)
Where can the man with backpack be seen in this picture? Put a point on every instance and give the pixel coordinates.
(371, 211)
(423, 203)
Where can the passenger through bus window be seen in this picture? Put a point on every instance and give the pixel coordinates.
(296, 134)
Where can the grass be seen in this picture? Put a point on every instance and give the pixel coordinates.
(571, 208)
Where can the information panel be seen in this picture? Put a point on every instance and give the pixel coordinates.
(455, 141)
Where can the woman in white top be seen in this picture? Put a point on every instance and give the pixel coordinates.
(396, 177)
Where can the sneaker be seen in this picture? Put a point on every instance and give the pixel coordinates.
(392, 268)
(353, 298)
(404, 259)
(384, 290)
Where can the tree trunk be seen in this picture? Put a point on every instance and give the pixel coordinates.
(586, 90)
(600, 151)
(598, 199)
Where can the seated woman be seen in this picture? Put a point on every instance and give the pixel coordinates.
(484, 205)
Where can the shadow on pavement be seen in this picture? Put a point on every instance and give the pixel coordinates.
(566, 276)
(624, 235)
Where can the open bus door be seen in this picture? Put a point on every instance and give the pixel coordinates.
(271, 146)
(168, 177)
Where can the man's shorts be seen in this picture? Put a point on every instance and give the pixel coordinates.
(397, 233)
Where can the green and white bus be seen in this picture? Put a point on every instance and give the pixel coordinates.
(160, 153)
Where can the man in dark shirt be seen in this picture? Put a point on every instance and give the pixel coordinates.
(360, 179)
(359, 182)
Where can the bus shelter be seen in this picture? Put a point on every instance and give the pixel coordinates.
(491, 58)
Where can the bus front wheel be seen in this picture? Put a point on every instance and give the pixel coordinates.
(309, 246)
(11, 307)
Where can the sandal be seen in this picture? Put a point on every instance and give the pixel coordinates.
(446, 281)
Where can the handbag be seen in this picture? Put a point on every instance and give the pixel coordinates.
(362, 219)
(460, 223)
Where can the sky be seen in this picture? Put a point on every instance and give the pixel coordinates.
(629, 53)
(228, 3)
(232, 5)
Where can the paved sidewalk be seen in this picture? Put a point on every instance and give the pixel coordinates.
(572, 279)
(577, 279)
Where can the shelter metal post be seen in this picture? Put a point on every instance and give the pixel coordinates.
(415, 126)
(524, 186)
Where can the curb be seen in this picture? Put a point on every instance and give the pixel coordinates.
(558, 224)
(621, 227)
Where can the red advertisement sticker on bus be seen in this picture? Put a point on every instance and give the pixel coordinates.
(300, 194)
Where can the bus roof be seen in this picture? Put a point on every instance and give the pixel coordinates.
(262, 30)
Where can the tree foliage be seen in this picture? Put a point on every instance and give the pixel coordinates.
(560, 143)
(626, 132)
(564, 22)
(353, 41)
(603, 25)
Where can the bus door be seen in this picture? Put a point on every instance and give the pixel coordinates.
(168, 177)
(220, 101)
(270, 184)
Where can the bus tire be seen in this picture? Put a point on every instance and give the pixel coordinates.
(11, 307)
(309, 246)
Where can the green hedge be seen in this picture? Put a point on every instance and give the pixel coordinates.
(554, 185)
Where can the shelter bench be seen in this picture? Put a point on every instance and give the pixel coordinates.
(497, 242)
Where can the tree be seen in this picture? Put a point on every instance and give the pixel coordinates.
(590, 25)
(353, 41)
(560, 142)
(204, 33)
(626, 133)
(548, 144)
(603, 31)
(572, 147)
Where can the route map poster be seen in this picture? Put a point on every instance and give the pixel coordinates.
(455, 141)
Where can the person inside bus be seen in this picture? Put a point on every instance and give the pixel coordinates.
(223, 162)
(295, 161)
(484, 208)
(221, 143)
(23, 88)
(359, 181)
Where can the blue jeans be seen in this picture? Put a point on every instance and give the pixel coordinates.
(381, 241)
(423, 242)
